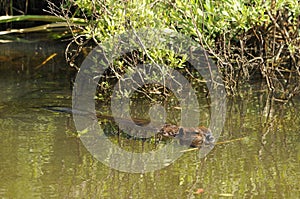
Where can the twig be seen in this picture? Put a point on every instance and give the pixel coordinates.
(218, 143)
(46, 60)
(229, 141)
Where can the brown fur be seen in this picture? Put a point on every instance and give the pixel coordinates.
(194, 137)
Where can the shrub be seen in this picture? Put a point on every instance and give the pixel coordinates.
(247, 38)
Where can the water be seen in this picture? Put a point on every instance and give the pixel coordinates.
(42, 158)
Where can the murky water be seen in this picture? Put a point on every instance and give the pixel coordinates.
(257, 157)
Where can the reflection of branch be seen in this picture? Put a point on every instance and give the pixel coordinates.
(200, 171)
(268, 124)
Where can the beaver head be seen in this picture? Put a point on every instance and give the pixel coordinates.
(195, 137)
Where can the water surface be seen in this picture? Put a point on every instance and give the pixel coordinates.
(42, 158)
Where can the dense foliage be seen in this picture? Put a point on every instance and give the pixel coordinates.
(248, 39)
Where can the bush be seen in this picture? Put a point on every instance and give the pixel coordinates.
(247, 38)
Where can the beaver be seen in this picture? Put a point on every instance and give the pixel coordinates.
(194, 137)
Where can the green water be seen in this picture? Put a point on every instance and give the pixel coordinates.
(41, 157)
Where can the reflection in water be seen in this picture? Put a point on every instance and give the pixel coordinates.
(41, 158)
